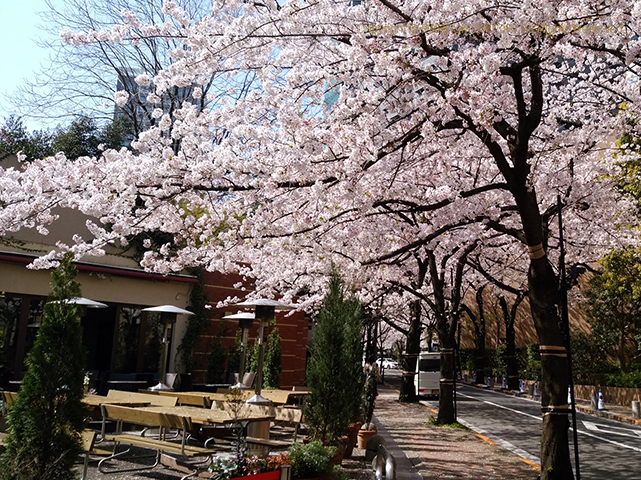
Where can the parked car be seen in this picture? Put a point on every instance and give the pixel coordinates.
(388, 363)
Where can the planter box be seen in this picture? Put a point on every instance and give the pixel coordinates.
(275, 475)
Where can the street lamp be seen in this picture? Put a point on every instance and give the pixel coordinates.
(168, 314)
(245, 321)
(264, 309)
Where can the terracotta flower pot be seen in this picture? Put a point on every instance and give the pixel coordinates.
(338, 456)
(352, 436)
(364, 436)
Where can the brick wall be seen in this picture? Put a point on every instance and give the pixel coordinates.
(293, 328)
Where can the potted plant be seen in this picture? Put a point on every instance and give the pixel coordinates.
(352, 437)
(369, 397)
(311, 460)
(334, 373)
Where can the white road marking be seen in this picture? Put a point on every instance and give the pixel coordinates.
(626, 432)
(583, 432)
(500, 406)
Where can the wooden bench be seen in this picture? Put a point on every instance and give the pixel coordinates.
(88, 439)
(143, 418)
(289, 416)
(189, 398)
(8, 398)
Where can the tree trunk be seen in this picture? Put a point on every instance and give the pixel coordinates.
(479, 364)
(509, 317)
(511, 361)
(408, 390)
(479, 361)
(446, 391)
(544, 297)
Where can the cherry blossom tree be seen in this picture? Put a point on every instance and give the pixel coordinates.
(372, 132)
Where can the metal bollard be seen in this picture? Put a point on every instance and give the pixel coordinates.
(384, 464)
(635, 409)
(285, 472)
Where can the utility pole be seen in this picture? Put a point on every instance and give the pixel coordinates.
(566, 326)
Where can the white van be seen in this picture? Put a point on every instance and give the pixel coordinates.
(428, 373)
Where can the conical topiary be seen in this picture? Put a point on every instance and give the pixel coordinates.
(47, 416)
(334, 373)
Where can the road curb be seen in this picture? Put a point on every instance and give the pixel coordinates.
(609, 415)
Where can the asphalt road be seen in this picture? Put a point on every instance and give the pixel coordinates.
(607, 449)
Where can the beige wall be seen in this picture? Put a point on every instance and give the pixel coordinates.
(16, 278)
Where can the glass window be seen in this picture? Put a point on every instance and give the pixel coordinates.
(9, 325)
(127, 340)
(429, 365)
(153, 343)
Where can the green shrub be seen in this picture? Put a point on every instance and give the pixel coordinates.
(370, 394)
(217, 358)
(252, 357)
(273, 365)
(310, 460)
(233, 360)
(622, 379)
(467, 356)
(590, 360)
(196, 324)
(499, 364)
(532, 370)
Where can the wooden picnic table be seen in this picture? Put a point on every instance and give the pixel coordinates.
(281, 397)
(195, 399)
(204, 416)
(127, 385)
(95, 401)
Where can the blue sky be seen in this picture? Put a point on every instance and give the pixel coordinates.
(20, 57)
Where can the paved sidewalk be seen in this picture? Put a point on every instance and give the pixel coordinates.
(424, 451)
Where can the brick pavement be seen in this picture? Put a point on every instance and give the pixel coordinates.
(441, 452)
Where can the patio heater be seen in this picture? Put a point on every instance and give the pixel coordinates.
(85, 303)
(245, 321)
(168, 314)
(264, 309)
